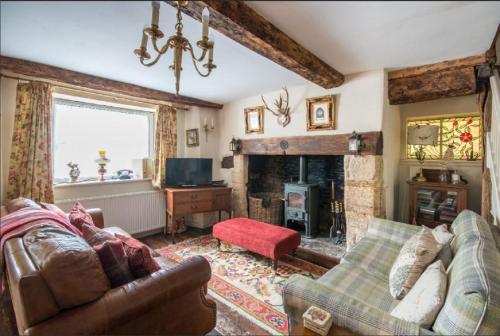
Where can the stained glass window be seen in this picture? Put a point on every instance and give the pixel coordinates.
(460, 134)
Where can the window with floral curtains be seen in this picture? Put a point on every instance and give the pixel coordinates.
(165, 146)
(30, 168)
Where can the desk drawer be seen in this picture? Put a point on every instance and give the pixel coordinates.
(193, 197)
(193, 207)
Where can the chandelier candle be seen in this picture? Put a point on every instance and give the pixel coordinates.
(178, 43)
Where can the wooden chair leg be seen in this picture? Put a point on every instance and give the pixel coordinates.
(218, 244)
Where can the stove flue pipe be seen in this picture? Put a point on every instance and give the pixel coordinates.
(303, 170)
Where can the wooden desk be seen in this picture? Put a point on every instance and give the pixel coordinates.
(187, 201)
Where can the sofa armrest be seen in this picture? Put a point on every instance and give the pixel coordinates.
(129, 302)
(97, 217)
(363, 319)
(395, 231)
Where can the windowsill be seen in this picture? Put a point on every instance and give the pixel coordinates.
(476, 163)
(94, 183)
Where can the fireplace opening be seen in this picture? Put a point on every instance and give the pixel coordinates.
(320, 178)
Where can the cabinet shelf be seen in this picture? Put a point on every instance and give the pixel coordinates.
(433, 203)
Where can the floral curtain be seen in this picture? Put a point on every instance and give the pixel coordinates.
(30, 168)
(165, 146)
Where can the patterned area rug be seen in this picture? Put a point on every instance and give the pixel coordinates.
(245, 282)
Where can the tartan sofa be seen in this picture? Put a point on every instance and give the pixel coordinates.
(356, 292)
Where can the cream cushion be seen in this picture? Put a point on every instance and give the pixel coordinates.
(415, 255)
(424, 301)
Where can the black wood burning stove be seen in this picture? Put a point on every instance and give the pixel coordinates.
(302, 203)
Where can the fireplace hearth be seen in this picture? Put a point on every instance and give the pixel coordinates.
(307, 192)
(262, 165)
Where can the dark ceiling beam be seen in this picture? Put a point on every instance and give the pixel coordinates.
(434, 81)
(9, 65)
(244, 25)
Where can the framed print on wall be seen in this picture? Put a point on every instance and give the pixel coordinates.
(254, 120)
(192, 137)
(320, 113)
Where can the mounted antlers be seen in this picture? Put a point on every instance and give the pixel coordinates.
(283, 111)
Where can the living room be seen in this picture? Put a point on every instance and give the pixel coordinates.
(289, 167)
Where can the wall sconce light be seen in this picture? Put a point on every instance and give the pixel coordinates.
(207, 128)
(235, 145)
(355, 144)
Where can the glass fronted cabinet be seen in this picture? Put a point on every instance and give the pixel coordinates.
(433, 203)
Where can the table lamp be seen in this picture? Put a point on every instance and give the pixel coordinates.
(421, 135)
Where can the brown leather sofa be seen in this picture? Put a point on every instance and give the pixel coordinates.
(170, 301)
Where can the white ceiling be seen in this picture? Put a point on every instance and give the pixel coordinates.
(99, 38)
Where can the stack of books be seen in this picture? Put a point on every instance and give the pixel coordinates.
(317, 320)
(448, 208)
(426, 200)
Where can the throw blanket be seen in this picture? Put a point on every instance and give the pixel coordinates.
(19, 222)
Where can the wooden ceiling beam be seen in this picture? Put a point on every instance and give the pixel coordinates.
(64, 77)
(244, 25)
(434, 81)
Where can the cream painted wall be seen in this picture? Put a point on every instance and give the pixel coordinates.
(7, 112)
(471, 171)
(391, 136)
(359, 106)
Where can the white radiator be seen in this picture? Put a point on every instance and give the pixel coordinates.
(135, 212)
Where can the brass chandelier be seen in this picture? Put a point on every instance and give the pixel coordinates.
(178, 43)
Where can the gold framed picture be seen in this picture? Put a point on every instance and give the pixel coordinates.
(254, 120)
(320, 113)
(192, 137)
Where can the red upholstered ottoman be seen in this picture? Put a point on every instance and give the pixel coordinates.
(265, 239)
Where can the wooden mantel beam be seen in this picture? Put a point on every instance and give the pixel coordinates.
(244, 25)
(433, 81)
(9, 65)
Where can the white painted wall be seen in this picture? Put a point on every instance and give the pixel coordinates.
(359, 106)
(471, 171)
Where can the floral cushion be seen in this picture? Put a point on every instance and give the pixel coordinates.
(140, 259)
(78, 216)
(423, 302)
(418, 252)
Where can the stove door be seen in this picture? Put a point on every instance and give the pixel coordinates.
(296, 200)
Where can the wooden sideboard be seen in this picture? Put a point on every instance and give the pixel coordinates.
(187, 201)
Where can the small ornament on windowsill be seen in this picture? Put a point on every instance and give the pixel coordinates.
(74, 172)
(101, 162)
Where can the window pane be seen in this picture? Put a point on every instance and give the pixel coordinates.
(80, 131)
(463, 133)
(431, 152)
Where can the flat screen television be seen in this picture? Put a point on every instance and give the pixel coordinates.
(188, 172)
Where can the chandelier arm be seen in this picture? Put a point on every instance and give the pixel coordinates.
(189, 48)
(153, 62)
(163, 49)
(198, 71)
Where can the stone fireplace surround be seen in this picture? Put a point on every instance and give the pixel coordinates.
(363, 179)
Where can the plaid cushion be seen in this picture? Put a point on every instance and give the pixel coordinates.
(374, 255)
(347, 311)
(359, 284)
(114, 262)
(396, 232)
(472, 304)
(139, 256)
